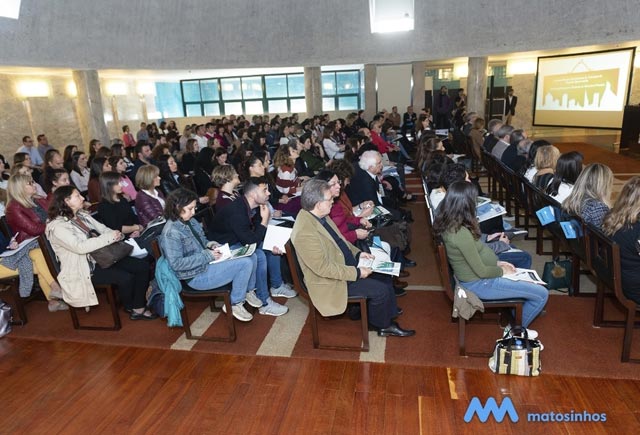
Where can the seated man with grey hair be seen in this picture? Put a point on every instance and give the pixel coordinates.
(330, 265)
(368, 185)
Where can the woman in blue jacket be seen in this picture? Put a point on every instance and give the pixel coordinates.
(190, 254)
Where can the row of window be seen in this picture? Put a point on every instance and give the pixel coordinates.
(277, 93)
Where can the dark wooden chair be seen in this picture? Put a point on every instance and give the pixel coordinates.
(578, 248)
(190, 294)
(448, 283)
(298, 282)
(12, 283)
(604, 255)
(109, 289)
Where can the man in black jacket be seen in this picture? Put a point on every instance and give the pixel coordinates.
(244, 222)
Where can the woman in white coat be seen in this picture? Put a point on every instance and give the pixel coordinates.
(67, 231)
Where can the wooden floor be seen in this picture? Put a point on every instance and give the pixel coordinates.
(61, 387)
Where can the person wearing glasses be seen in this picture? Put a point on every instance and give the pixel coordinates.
(26, 212)
(330, 265)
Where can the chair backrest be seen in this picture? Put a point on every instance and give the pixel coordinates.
(604, 255)
(578, 246)
(446, 275)
(155, 249)
(49, 255)
(294, 265)
(5, 228)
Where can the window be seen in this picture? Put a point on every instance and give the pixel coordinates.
(252, 95)
(342, 90)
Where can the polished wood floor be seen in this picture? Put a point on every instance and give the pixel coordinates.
(61, 387)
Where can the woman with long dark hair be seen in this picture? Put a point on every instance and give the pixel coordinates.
(474, 264)
(568, 169)
(68, 231)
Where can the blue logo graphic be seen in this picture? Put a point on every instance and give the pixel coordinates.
(491, 407)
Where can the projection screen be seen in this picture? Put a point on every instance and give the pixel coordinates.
(583, 90)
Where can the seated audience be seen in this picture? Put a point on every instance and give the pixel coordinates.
(312, 155)
(622, 224)
(68, 231)
(118, 164)
(528, 169)
(80, 173)
(189, 156)
(329, 264)
(143, 153)
(287, 180)
(114, 210)
(568, 168)
(190, 256)
(98, 166)
(476, 136)
(226, 179)
(591, 194)
(474, 264)
(503, 134)
(25, 263)
(26, 213)
(332, 148)
(244, 222)
(150, 201)
(545, 163)
(256, 167)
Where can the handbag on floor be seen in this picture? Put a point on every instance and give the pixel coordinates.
(557, 274)
(5, 318)
(516, 354)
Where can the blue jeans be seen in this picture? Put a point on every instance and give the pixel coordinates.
(518, 259)
(501, 288)
(266, 261)
(241, 273)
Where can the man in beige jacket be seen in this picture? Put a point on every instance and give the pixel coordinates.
(329, 264)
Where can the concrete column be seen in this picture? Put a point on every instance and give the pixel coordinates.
(313, 90)
(90, 110)
(370, 92)
(477, 85)
(417, 94)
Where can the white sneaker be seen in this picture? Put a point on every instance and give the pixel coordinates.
(273, 309)
(239, 312)
(284, 291)
(253, 300)
(532, 334)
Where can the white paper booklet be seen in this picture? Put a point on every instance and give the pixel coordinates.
(489, 210)
(528, 275)
(228, 254)
(276, 236)
(381, 266)
(10, 252)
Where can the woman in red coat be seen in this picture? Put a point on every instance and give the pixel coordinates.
(26, 212)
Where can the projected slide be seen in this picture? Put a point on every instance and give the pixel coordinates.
(583, 90)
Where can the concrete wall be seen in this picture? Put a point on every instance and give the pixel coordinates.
(166, 34)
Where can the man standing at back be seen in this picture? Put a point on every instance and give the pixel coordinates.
(510, 106)
(394, 117)
(443, 109)
(142, 134)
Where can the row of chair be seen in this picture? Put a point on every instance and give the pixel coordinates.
(592, 250)
(501, 306)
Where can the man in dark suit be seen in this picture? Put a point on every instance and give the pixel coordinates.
(510, 106)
